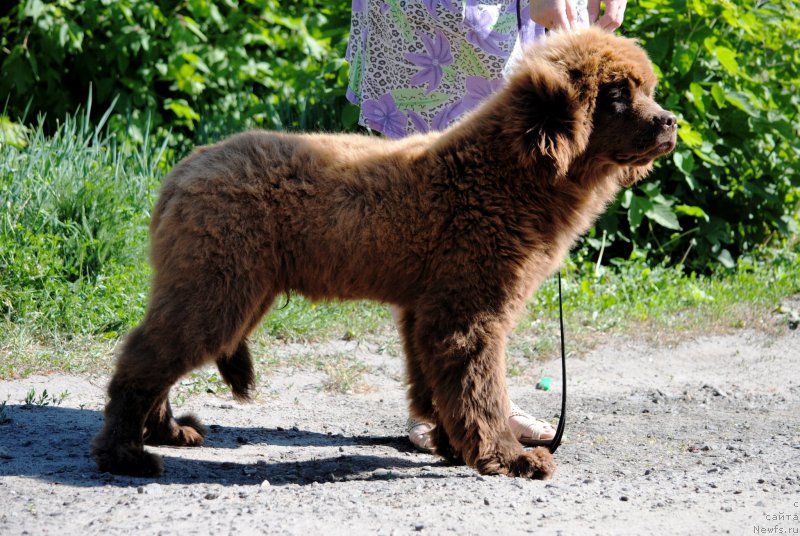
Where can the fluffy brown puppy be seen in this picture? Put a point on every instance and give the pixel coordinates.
(456, 228)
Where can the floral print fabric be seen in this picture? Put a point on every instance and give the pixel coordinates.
(418, 65)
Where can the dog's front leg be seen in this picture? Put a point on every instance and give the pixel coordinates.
(464, 363)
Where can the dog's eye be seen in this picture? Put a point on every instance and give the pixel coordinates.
(617, 99)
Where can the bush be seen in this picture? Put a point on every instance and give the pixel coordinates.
(212, 65)
(731, 72)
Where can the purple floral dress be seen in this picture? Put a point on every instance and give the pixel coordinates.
(418, 65)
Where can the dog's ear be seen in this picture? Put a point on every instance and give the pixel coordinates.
(549, 117)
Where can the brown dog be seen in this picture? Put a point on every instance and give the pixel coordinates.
(456, 228)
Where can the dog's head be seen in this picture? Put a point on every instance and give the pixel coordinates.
(589, 96)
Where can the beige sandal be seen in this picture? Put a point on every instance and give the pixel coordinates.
(529, 431)
(419, 433)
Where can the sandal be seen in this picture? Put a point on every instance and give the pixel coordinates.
(419, 433)
(529, 431)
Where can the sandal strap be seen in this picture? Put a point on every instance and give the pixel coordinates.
(517, 411)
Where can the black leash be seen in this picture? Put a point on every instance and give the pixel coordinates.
(556, 441)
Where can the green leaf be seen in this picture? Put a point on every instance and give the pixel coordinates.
(742, 101)
(664, 216)
(727, 58)
(684, 160)
(725, 258)
(683, 60)
(695, 212)
(182, 109)
(627, 196)
(638, 207)
(350, 116)
(689, 136)
(12, 133)
(719, 95)
(698, 96)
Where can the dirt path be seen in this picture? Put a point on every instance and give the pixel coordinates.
(695, 439)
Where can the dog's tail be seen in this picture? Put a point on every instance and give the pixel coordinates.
(237, 371)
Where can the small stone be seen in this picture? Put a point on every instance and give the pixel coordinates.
(380, 473)
(486, 501)
(418, 527)
(624, 498)
(154, 489)
(211, 495)
(140, 489)
(249, 470)
(265, 485)
(726, 509)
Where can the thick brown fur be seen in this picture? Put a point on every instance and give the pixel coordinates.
(456, 228)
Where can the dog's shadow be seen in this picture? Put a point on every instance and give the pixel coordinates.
(52, 443)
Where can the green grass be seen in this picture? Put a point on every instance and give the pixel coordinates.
(72, 230)
(658, 305)
(74, 274)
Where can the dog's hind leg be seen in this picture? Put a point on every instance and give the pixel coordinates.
(187, 326)
(140, 385)
(237, 371)
(236, 368)
(464, 361)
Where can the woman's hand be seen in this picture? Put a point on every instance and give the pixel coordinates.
(555, 14)
(612, 16)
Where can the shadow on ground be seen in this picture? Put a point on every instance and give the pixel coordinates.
(52, 444)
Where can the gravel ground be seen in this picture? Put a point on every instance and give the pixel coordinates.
(694, 439)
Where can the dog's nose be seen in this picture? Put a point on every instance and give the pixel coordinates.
(667, 120)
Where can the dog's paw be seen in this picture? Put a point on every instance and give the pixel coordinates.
(192, 432)
(185, 431)
(130, 460)
(537, 464)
